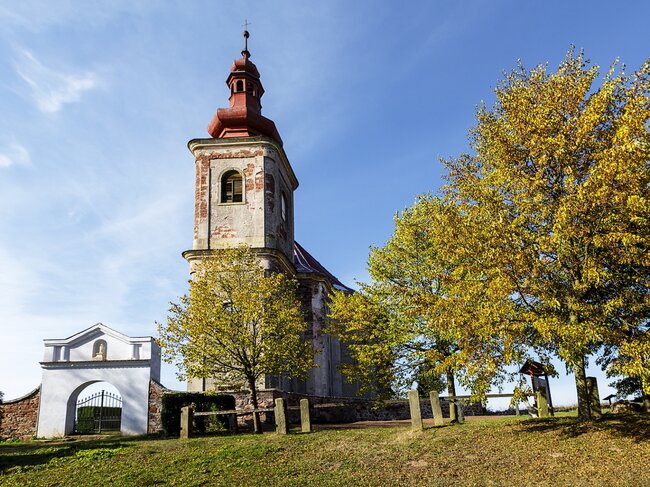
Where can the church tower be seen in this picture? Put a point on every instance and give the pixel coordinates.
(244, 195)
(244, 181)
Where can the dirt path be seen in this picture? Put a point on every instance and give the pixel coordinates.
(396, 423)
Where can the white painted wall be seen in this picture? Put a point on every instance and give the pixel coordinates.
(69, 367)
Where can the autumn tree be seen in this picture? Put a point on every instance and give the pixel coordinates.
(555, 201)
(424, 315)
(385, 324)
(373, 341)
(539, 240)
(238, 323)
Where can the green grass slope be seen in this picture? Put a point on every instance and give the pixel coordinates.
(505, 451)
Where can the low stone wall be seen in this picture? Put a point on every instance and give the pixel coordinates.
(347, 410)
(341, 409)
(19, 417)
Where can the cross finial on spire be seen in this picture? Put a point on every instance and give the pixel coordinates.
(246, 36)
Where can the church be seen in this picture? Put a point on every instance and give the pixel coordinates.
(244, 191)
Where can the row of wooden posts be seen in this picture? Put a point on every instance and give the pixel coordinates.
(280, 411)
(455, 411)
(281, 420)
(282, 424)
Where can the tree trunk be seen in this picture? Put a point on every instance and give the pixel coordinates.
(645, 394)
(451, 391)
(257, 427)
(582, 390)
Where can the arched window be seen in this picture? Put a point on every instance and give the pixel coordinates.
(284, 208)
(239, 86)
(249, 87)
(231, 187)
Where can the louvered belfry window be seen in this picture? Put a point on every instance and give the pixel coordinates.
(231, 187)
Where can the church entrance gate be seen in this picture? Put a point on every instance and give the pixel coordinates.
(97, 354)
(99, 413)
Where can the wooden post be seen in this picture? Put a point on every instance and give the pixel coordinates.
(186, 422)
(548, 396)
(594, 398)
(542, 404)
(436, 410)
(305, 419)
(281, 426)
(459, 409)
(232, 423)
(416, 415)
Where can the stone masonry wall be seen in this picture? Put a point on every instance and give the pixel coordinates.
(156, 391)
(344, 409)
(340, 409)
(19, 417)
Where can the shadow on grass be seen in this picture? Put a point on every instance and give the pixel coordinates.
(40, 452)
(635, 426)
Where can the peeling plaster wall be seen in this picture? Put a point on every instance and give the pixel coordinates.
(257, 220)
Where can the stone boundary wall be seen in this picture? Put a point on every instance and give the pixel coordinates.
(347, 410)
(19, 417)
(342, 409)
(154, 420)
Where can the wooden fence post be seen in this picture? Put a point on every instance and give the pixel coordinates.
(414, 406)
(281, 417)
(594, 398)
(436, 410)
(232, 423)
(186, 422)
(305, 419)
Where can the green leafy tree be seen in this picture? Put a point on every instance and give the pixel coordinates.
(613, 360)
(374, 343)
(429, 380)
(539, 241)
(424, 315)
(555, 207)
(237, 324)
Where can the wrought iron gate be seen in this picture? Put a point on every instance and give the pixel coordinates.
(99, 413)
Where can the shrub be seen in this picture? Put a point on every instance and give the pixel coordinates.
(172, 402)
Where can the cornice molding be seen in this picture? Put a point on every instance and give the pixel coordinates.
(196, 145)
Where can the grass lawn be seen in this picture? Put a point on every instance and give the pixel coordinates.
(500, 451)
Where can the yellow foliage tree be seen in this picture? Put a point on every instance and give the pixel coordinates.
(238, 323)
(429, 306)
(556, 205)
(539, 240)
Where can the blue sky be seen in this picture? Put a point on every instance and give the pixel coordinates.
(99, 98)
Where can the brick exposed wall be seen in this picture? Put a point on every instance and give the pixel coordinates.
(19, 417)
(156, 391)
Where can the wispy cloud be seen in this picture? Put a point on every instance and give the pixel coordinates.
(36, 15)
(13, 154)
(50, 89)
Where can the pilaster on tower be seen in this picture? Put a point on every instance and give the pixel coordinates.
(244, 181)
